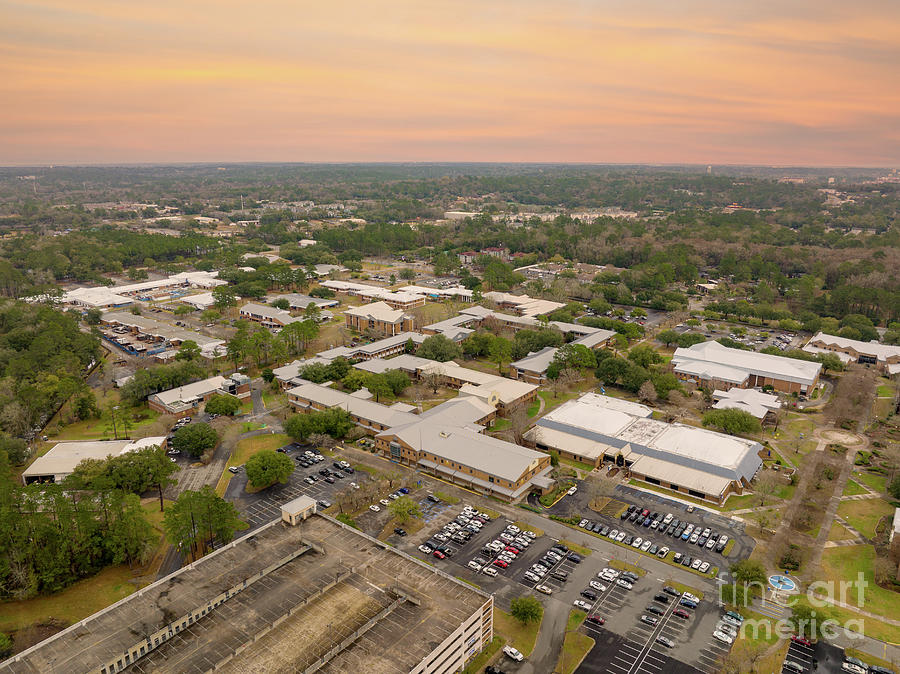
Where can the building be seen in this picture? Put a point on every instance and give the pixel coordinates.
(466, 457)
(139, 335)
(288, 375)
(381, 348)
(185, 400)
(533, 368)
(467, 257)
(268, 601)
(269, 317)
(458, 293)
(455, 328)
(299, 302)
(164, 288)
(202, 301)
(598, 429)
(395, 299)
(720, 367)
(763, 406)
(523, 304)
(60, 462)
(380, 318)
(885, 356)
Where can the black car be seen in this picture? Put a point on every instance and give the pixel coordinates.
(702, 541)
(631, 508)
(653, 608)
(628, 540)
(562, 549)
(633, 516)
(433, 498)
(324, 471)
(625, 514)
(604, 530)
(589, 594)
(490, 669)
(679, 531)
(720, 547)
(560, 575)
(337, 475)
(675, 523)
(669, 590)
(664, 598)
(329, 479)
(647, 521)
(347, 469)
(324, 504)
(574, 557)
(337, 464)
(399, 531)
(283, 450)
(686, 561)
(628, 575)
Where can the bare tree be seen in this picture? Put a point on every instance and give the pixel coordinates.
(519, 423)
(647, 392)
(433, 380)
(766, 485)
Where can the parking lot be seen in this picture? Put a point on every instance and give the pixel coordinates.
(820, 657)
(625, 496)
(262, 507)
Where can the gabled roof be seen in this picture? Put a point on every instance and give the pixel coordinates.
(377, 311)
(875, 349)
(776, 367)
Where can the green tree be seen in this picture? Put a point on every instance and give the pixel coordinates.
(267, 467)
(526, 609)
(189, 350)
(644, 355)
(379, 386)
(894, 488)
(183, 309)
(731, 421)
(334, 422)
(281, 303)
(355, 380)
(398, 380)
(199, 518)
(500, 352)
(807, 621)
(15, 449)
(85, 406)
(667, 337)
(223, 404)
(223, 297)
(439, 348)
(404, 509)
(6, 645)
(92, 316)
(194, 439)
(407, 274)
(749, 571)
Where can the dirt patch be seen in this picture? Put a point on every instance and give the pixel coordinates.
(842, 437)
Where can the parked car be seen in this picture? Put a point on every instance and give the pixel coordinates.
(439, 554)
(665, 641)
(653, 608)
(578, 603)
(681, 613)
(621, 582)
(725, 638)
(671, 591)
(374, 508)
(512, 653)
(399, 531)
(649, 619)
(543, 588)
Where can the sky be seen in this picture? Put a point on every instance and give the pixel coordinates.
(797, 82)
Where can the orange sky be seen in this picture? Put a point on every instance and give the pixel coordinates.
(733, 81)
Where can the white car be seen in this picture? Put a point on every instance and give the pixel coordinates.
(513, 529)
(374, 508)
(489, 571)
(475, 566)
(572, 490)
(696, 564)
(385, 502)
(724, 638)
(354, 485)
(425, 549)
(608, 574)
(511, 652)
(710, 544)
(646, 545)
(600, 587)
(621, 582)
(668, 518)
(613, 533)
(621, 536)
(704, 567)
(582, 604)
(636, 543)
(506, 537)
(543, 588)
(852, 669)
(522, 542)
(662, 552)
(534, 578)
(529, 534)
(582, 523)
(692, 597)
(727, 628)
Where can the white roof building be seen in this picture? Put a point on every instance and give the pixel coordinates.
(703, 463)
(523, 304)
(863, 352)
(61, 460)
(377, 311)
(749, 400)
(201, 301)
(713, 361)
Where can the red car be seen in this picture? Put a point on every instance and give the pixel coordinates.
(801, 640)
(439, 554)
(597, 620)
(681, 613)
(511, 549)
(500, 563)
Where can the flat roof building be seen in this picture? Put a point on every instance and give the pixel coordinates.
(185, 400)
(318, 596)
(60, 461)
(761, 405)
(885, 356)
(718, 366)
(597, 429)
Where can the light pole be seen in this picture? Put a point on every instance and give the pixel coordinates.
(115, 430)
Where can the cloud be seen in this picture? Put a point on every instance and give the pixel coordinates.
(572, 80)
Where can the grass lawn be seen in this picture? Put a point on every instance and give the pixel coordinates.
(575, 647)
(521, 637)
(681, 587)
(864, 515)
(500, 424)
(550, 401)
(272, 399)
(625, 566)
(528, 527)
(678, 495)
(875, 629)
(853, 488)
(868, 659)
(477, 665)
(447, 498)
(576, 464)
(885, 391)
(248, 426)
(249, 446)
(876, 482)
(246, 406)
(846, 563)
(741, 502)
(574, 547)
(79, 600)
(839, 533)
(533, 408)
(102, 428)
